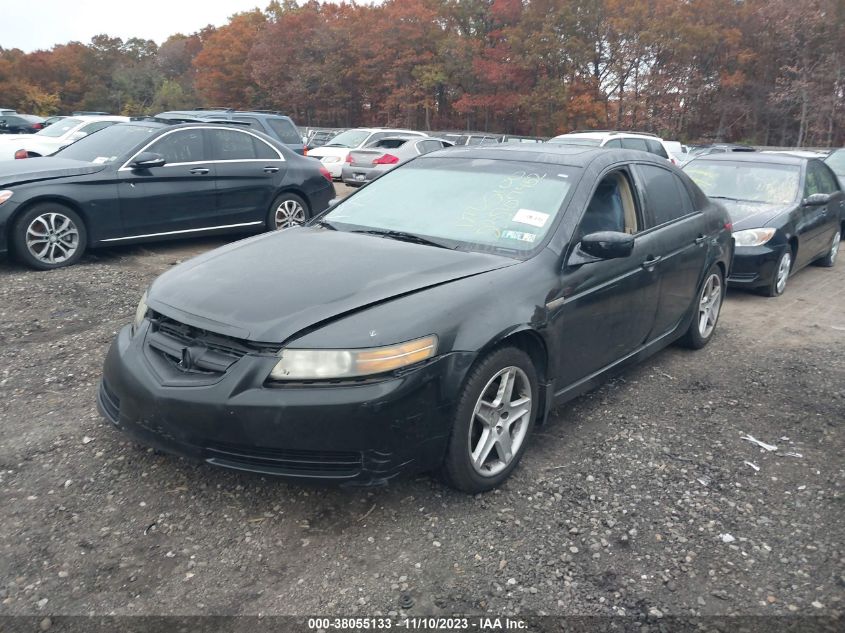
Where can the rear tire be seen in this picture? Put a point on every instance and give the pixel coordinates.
(49, 235)
(829, 260)
(708, 307)
(288, 210)
(493, 421)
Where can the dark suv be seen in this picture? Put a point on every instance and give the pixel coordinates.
(273, 124)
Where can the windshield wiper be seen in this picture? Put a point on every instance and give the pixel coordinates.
(326, 225)
(737, 199)
(336, 145)
(404, 237)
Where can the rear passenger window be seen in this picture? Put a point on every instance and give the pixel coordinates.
(655, 147)
(666, 197)
(286, 131)
(634, 143)
(232, 145)
(263, 150)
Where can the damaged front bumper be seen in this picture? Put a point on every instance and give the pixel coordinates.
(357, 433)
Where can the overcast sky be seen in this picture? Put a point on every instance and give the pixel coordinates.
(45, 23)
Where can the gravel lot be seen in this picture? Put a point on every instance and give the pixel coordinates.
(618, 508)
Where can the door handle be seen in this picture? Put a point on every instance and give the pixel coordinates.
(199, 171)
(651, 262)
(271, 170)
(700, 240)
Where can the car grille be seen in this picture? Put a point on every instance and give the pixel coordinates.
(197, 351)
(328, 464)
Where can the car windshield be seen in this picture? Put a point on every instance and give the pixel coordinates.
(576, 140)
(350, 138)
(836, 161)
(59, 128)
(108, 144)
(746, 182)
(502, 206)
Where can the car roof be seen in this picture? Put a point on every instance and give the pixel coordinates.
(99, 117)
(601, 134)
(570, 155)
(753, 157)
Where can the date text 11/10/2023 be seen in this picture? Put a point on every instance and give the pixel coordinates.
(431, 624)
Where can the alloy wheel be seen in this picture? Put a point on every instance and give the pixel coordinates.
(783, 272)
(834, 248)
(709, 305)
(500, 421)
(52, 238)
(289, 213)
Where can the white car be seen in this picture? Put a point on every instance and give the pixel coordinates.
(333, 154)
(54, 137)
(625, 140)
(677, 151)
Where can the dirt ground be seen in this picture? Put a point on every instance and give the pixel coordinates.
(638, 499)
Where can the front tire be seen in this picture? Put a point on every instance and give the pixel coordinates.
(829, 259)
(49, 235)
(493, 421)
(288, 210)
(777, 285)
(707, 310)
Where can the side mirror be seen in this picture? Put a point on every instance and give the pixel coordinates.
(147, 160)
(603, 245)
(334, 201)
(77, 135)
(816, 200)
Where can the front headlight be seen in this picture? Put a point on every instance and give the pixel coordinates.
(5, 195)
(332, 364)
(140, 313)
(753, 237)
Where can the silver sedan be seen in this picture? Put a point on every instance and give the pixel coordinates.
(367, 164)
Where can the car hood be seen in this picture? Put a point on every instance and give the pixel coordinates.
(42, 145)
(750, 215)
(18, 172)
(272, 287)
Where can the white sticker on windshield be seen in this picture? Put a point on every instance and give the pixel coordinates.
(100, 160)
(533, 218)
(518, 235)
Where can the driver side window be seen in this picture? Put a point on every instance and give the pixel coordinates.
(183, 146)
(612, 207)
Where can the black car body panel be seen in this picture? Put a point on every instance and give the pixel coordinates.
(806, 230)
(580, 321)
(120, 204)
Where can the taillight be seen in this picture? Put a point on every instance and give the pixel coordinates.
(305, 151)
(326, 174)
(386, 159)
(37, 126)
(729, 226)
(349, 159)
(22, 153)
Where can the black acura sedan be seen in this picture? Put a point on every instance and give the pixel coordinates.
(426, 322)
(785, 211)
(151, 180)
